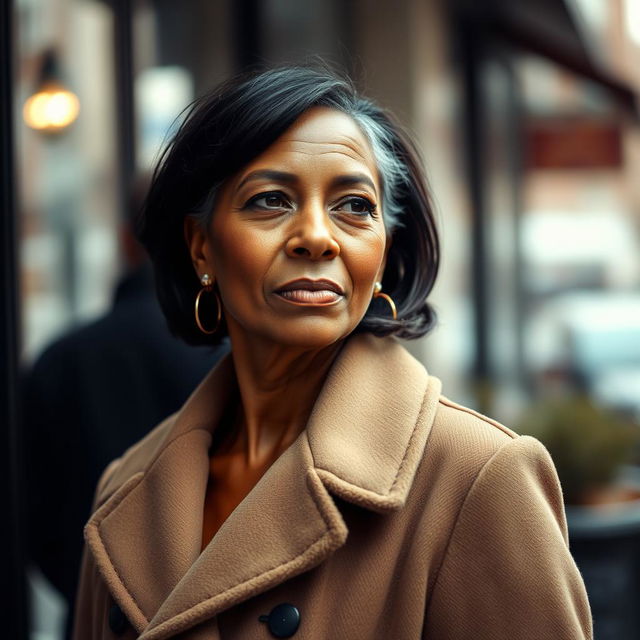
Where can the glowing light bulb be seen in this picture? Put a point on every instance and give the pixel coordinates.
(51, 109)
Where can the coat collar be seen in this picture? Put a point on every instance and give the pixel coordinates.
(363, 442)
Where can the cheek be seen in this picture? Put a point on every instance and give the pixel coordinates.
(363, 266)
(365, 261)
(241, 260)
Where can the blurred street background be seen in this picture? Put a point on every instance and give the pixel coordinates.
(528, 118)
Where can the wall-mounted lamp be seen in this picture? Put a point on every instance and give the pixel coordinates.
(52, 108)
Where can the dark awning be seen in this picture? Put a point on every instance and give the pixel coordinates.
(553, 29)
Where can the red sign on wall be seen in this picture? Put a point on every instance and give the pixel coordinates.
(573, 143)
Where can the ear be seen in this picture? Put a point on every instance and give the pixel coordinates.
(383, 265)
(199, 248)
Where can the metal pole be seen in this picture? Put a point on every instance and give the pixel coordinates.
(125, 116)
(470, 51)
(13, 594)
(247, 25)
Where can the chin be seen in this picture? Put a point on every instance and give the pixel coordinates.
(312, 333)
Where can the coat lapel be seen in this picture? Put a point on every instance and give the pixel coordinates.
(370, 425)
(363, 442)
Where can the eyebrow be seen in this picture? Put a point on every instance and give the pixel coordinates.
(291, 178)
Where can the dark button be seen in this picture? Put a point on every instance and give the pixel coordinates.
(283, 621)
(117, 620)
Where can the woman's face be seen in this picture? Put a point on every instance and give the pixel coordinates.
(297, 240)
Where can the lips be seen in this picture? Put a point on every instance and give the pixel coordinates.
(307, 291)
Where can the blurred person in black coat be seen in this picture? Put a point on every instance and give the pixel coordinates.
(95, 391)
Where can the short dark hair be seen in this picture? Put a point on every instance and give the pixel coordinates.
(227, 128)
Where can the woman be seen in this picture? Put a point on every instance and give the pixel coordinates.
(316, 483)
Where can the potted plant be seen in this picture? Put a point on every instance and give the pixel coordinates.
(592, 448)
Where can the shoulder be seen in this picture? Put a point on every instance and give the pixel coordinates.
(137, 459)
(477, 473)
(66, 348)
(497, 502)
(464, 445)
(462, 426)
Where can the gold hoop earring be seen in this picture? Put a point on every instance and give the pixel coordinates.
(377, 293)
(207, 285)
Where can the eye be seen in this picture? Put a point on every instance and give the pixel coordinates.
(269, 201)
(357, 206)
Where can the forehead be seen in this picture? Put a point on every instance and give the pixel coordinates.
(321, 138)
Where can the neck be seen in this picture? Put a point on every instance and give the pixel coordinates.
(278, 387)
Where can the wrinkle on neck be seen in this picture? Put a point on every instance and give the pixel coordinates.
(278, 387)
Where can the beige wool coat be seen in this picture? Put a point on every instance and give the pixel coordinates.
(396, 514)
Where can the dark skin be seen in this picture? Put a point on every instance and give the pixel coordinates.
(319, 220)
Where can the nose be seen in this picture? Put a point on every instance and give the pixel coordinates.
(312, 235)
